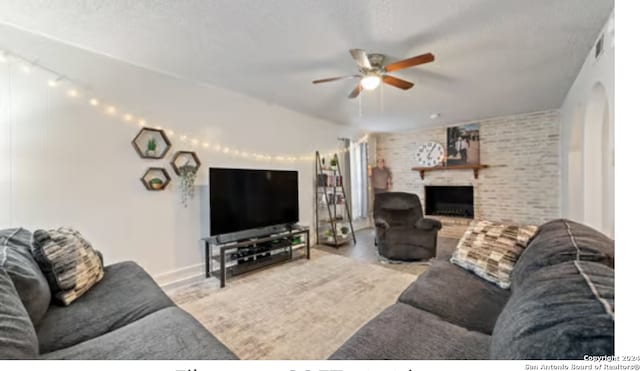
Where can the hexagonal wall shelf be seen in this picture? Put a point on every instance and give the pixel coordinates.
(151, 143)
(156, 179)
(182, 158)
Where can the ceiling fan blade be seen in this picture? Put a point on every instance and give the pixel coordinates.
(356, 91)
(410, 62)
(335, 79)
(398, 83)
(360, 56)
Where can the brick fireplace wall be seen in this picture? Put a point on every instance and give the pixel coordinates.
(522, 184)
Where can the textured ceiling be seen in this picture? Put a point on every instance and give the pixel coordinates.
(493, 57)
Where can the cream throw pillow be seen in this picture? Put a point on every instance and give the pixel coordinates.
(69, 262)
(490, 250)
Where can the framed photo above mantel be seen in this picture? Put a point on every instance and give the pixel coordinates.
(463, 145)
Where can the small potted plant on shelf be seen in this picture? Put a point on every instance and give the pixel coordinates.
(156, 183)
(187, 174)
(151, 147)
(328, 235)
(345, 231)
(334, 162)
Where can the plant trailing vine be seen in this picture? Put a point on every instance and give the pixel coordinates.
(187, 174)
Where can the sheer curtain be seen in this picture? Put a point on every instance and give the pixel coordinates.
(359, 179)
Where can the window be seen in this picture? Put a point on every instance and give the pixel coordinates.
(358, 164)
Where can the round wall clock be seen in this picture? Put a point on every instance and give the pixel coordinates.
(430, 154)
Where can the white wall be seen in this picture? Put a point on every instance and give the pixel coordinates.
(587, 149)
(64, 162)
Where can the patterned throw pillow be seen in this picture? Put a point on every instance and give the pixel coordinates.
(490, 250)
(68, 261)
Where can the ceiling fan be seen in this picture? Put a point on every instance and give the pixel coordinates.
(372, 71)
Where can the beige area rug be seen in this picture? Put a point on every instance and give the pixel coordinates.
(303, 309)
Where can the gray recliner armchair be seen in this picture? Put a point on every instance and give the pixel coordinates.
(402, 233)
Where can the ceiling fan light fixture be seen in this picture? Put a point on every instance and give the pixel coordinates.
(370, 82)
(373, 72)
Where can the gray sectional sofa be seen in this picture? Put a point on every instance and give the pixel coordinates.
(124, 316)
(560, 306)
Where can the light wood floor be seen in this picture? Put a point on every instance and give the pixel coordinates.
(365, 251)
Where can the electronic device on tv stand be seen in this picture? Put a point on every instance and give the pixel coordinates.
(247, 203)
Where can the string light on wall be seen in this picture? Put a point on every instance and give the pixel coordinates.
(73, 91)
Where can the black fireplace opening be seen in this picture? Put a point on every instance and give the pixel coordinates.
(449, 201)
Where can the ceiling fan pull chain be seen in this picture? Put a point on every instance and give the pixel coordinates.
(382, 98)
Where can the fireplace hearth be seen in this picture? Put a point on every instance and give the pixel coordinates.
(449, 201)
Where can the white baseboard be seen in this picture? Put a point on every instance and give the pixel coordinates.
(180, 277)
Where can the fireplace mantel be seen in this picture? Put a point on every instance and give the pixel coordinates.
(476, 168)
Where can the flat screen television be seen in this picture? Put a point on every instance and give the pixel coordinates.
(246, 199)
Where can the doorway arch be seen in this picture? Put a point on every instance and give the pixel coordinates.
(596, 161)
(575, 185)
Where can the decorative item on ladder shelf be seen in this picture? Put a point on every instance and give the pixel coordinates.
(333, 216)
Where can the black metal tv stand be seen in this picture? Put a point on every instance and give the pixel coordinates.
(239, 257)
